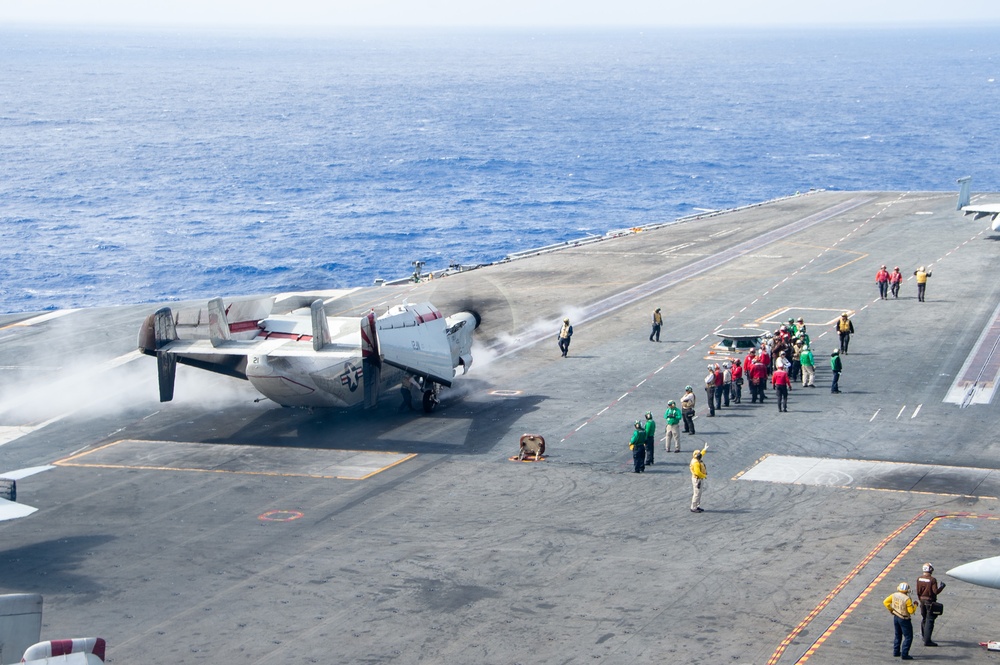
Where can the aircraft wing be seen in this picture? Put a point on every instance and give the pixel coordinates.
(991, 210)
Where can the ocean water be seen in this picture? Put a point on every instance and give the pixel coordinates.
(141, 167)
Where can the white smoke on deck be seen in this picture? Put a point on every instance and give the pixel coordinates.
(78, 385)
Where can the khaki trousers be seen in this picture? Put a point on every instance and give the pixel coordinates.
(696, 485)
(808, 375)
(673, 432)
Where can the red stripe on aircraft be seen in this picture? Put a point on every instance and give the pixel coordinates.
(243, 326)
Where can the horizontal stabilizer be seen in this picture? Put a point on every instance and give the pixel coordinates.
(320, 326)
(10, 510)
(218, 324)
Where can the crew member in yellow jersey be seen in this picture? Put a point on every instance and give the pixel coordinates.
(901, 608)
(921, 276)
(698, 475)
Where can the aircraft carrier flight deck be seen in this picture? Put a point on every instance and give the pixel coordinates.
(221, 528)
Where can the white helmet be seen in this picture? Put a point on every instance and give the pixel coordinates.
(904, 587)
(928, 568)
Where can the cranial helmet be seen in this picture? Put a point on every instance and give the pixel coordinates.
(637, 425)
(688, 388)
(904, 587)
(696, 454)
(671, 403)
(928, 568)
(649, 416)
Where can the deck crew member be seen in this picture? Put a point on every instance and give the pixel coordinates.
(781, 384)
(895, 279)
(657, 324)
(406, 390)
(673, 417)
(808, 367)
(650, 428)
(836, 366)
(710, 390)
(699, 473)
(687, 410)
(638, 447)
(882, 280)
(928, 589)
(845, 328)
(901, 608)
(565, 333)
(737, 374)
(921, 276)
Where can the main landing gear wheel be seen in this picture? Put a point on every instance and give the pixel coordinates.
(430, 401)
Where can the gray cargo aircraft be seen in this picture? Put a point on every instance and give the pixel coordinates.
(302, 357)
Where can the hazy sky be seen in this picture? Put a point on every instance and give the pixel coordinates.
(497, 13)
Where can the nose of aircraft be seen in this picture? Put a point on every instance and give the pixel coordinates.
(985, 572)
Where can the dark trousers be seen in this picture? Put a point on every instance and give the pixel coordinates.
(655, 333)
(754, 391)
(718, 397)
(782, 397)
(883, 289)
(639, 458)
(920, 291)
(835, 386)
(795, 371)
(687, 415)
(845, 340)
(904, 633)
(738, 391)
(710, 391)
(927, 621)
(895, 289)
(564, 345)
(727, 389)
(650, 448)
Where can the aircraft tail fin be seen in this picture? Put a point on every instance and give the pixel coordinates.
(320, 326)
(20, 624)
(166, 372)
(371, 359)
(218, 324)
(157, 331)
(964, 194)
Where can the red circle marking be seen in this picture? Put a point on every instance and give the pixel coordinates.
(281, 515)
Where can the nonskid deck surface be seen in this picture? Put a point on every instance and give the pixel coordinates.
(213, 525)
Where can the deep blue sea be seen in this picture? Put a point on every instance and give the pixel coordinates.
(144, 166)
